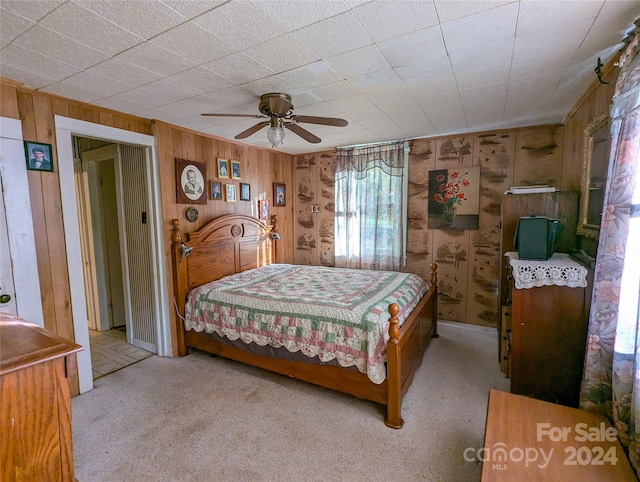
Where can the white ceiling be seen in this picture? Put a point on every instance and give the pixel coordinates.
(393, 69)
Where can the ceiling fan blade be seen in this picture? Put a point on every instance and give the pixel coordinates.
(255, 116)
(251, 130)
(305, 134)
(325, 121)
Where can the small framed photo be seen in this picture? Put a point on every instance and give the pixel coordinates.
(191, 187)
(263, 210)
(245, 191)
(39, 156)
(223, 168)
(230, 193)
(279, 194)
(216, 191)
(235, 170)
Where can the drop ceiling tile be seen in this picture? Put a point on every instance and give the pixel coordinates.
(29, 78)
(202, 79)
(20, 58)
(238, 68)
(417, 47)
(69, 91)
(273, 83)
(12, 25)
(484, 54)
(311, 75)
(424, 75)
(194, 43)
(156, 59)
(33, 10)
(57, 47)
(240, 24)
(354, 103)
(452, 9)
(145, 19)
(294, 14)
(467, 32)
(366, 60)
(557, 62)
(422, 129)
(88, 28)
(97, 83)
(304, 97)
(193, 8)
(534, 14)
(385, 20)
(225, 100)
(336, 90)
(160, 92)
(122, 71)
(282, 53)
(346, 34)
(546, 39)
(120, 105)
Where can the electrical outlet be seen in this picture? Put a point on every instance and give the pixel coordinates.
(316, 208)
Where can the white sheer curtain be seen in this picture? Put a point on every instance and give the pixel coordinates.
(370, 197)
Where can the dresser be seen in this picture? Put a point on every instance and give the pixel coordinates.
(548, 323)
(35, 420)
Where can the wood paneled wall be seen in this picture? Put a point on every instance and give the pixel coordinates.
(36, 112)
(258, 167)
(468, 261)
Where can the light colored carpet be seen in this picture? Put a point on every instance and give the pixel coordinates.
(200, 418)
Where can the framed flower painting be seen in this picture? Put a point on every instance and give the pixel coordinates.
(454, 198)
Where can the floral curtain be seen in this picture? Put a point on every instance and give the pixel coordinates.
(611, 380)
(369, 195)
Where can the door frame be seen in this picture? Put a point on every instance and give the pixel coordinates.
(17, 203)
(66, 128)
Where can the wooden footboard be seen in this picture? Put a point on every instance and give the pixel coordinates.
(406, 348)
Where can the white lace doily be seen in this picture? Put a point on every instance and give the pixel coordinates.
(559, 270)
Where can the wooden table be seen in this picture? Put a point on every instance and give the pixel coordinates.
(530, 440)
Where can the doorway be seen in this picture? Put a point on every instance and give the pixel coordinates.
(113, 223)
(130, 225)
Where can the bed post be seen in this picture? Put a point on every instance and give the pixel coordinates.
(275, 236)
(179, 284)
(394, 373)
(434, 284)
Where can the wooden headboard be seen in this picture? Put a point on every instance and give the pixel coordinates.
(226, 245)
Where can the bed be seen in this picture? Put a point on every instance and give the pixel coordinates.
(229, 249)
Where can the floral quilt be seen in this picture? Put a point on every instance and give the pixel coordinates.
(331, 313)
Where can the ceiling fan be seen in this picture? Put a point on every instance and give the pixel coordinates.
(278, 108)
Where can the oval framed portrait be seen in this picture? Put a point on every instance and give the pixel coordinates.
(191, 184)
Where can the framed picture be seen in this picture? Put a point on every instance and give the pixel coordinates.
(39, 156)
(216, 191)
(263, 210)
(191, 186)
(235, 170)
(230, 193)
(223, 168)
(245, 191)
(454, 198)
(279, 194)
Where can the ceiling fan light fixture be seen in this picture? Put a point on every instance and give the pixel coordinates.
(275, 133)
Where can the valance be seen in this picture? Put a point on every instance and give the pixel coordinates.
(357, 160)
